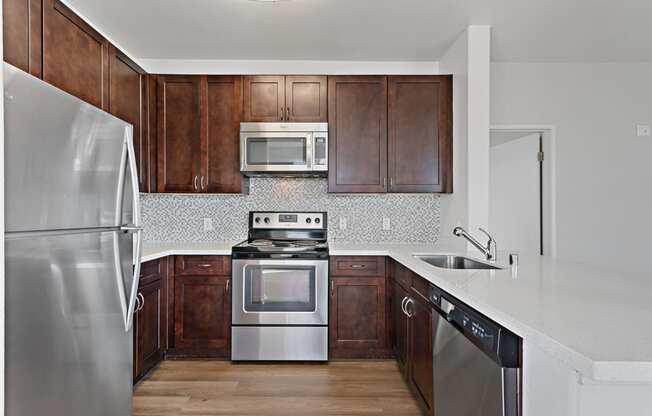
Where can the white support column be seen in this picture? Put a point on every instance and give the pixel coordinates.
(479, 57)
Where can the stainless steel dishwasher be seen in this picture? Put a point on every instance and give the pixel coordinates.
(475, 362)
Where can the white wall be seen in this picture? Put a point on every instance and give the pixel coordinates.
(604, 173)
(468, 59)
(453, 206)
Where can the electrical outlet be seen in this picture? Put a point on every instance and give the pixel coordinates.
(208, 224)
(386, 224)
(642, 130)
(343, 223)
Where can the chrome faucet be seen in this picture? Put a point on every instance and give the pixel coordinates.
(489, 251)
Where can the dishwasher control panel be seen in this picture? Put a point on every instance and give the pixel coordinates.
(495, 340)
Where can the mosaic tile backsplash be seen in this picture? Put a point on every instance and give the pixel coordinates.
(414, 218)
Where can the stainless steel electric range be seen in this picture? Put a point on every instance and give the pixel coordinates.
(280, 289)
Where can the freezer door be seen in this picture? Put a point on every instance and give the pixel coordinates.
(67, 350)
(65, 160)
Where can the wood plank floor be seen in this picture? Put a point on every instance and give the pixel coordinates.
(222, 388)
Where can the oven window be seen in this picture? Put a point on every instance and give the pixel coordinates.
(279, 289)
(276, 151)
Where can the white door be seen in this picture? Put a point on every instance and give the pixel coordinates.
(515, 192)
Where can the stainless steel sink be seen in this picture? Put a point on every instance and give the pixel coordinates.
(446, 261)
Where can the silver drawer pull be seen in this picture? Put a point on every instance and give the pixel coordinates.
(205, 265)
(358, 266)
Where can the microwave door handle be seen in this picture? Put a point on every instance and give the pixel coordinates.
(310, 153)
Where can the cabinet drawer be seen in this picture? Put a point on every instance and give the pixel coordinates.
(420, 286)
(150, 272)
(401, 275)
(203, 265)
(357, 266)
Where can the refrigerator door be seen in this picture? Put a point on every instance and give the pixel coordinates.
(67, 351)
(65, 160)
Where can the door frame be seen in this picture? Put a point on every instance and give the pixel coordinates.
(549, 136)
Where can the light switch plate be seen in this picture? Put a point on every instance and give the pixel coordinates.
(208, 224)
(642, 130)
(343, 223)
(386, 224)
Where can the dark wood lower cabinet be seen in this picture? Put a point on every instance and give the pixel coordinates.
(150, 318)
(411, 335)
(399, 328)
(420, 340)
(357, 322)
(202, 316)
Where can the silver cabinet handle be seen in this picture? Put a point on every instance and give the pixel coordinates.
(403, 305)
(196, 178)
(332, 288)
(141, 301)
(205, 265)
(137, 308)
(407, 312)
(287, 113)
(358, 266)
(202, 183)
(384, 182)
(227, 285)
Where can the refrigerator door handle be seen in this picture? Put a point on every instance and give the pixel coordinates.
(134, 228)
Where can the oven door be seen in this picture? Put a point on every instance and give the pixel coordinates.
(280, 292)
(276, 152)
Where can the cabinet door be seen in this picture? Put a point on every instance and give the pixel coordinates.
(357, 123)
(221, 148)
(421, 361)
(305, 98)
(127, 101)
(399, 327)
(75, 56)
(138, 346)
(178, 119)
(152, 329)
(21, 34)
(357, 317)
(264, 98)
(420, 133)
(202, 315)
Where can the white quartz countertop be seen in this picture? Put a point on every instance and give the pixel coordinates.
(595, 321)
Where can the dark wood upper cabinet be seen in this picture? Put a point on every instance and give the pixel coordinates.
(75, 56)
(198, 134)
(220, 159)
(306, 98)
(22, 34)
(357, 317)
(420, 133)
(357, 123)
(264, 98)
(202, 315)
(128, 101)
(278, 98)
(179, 121)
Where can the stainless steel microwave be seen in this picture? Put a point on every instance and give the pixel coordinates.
(297, 149)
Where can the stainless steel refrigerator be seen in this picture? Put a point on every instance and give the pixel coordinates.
(72, 250)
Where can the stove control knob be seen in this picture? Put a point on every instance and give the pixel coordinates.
(308, 220)
(257, 220)
(266, 220)
(317, 221)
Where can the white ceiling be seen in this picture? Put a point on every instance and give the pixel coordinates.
(373, 30)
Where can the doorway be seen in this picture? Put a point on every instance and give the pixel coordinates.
(521, 214)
